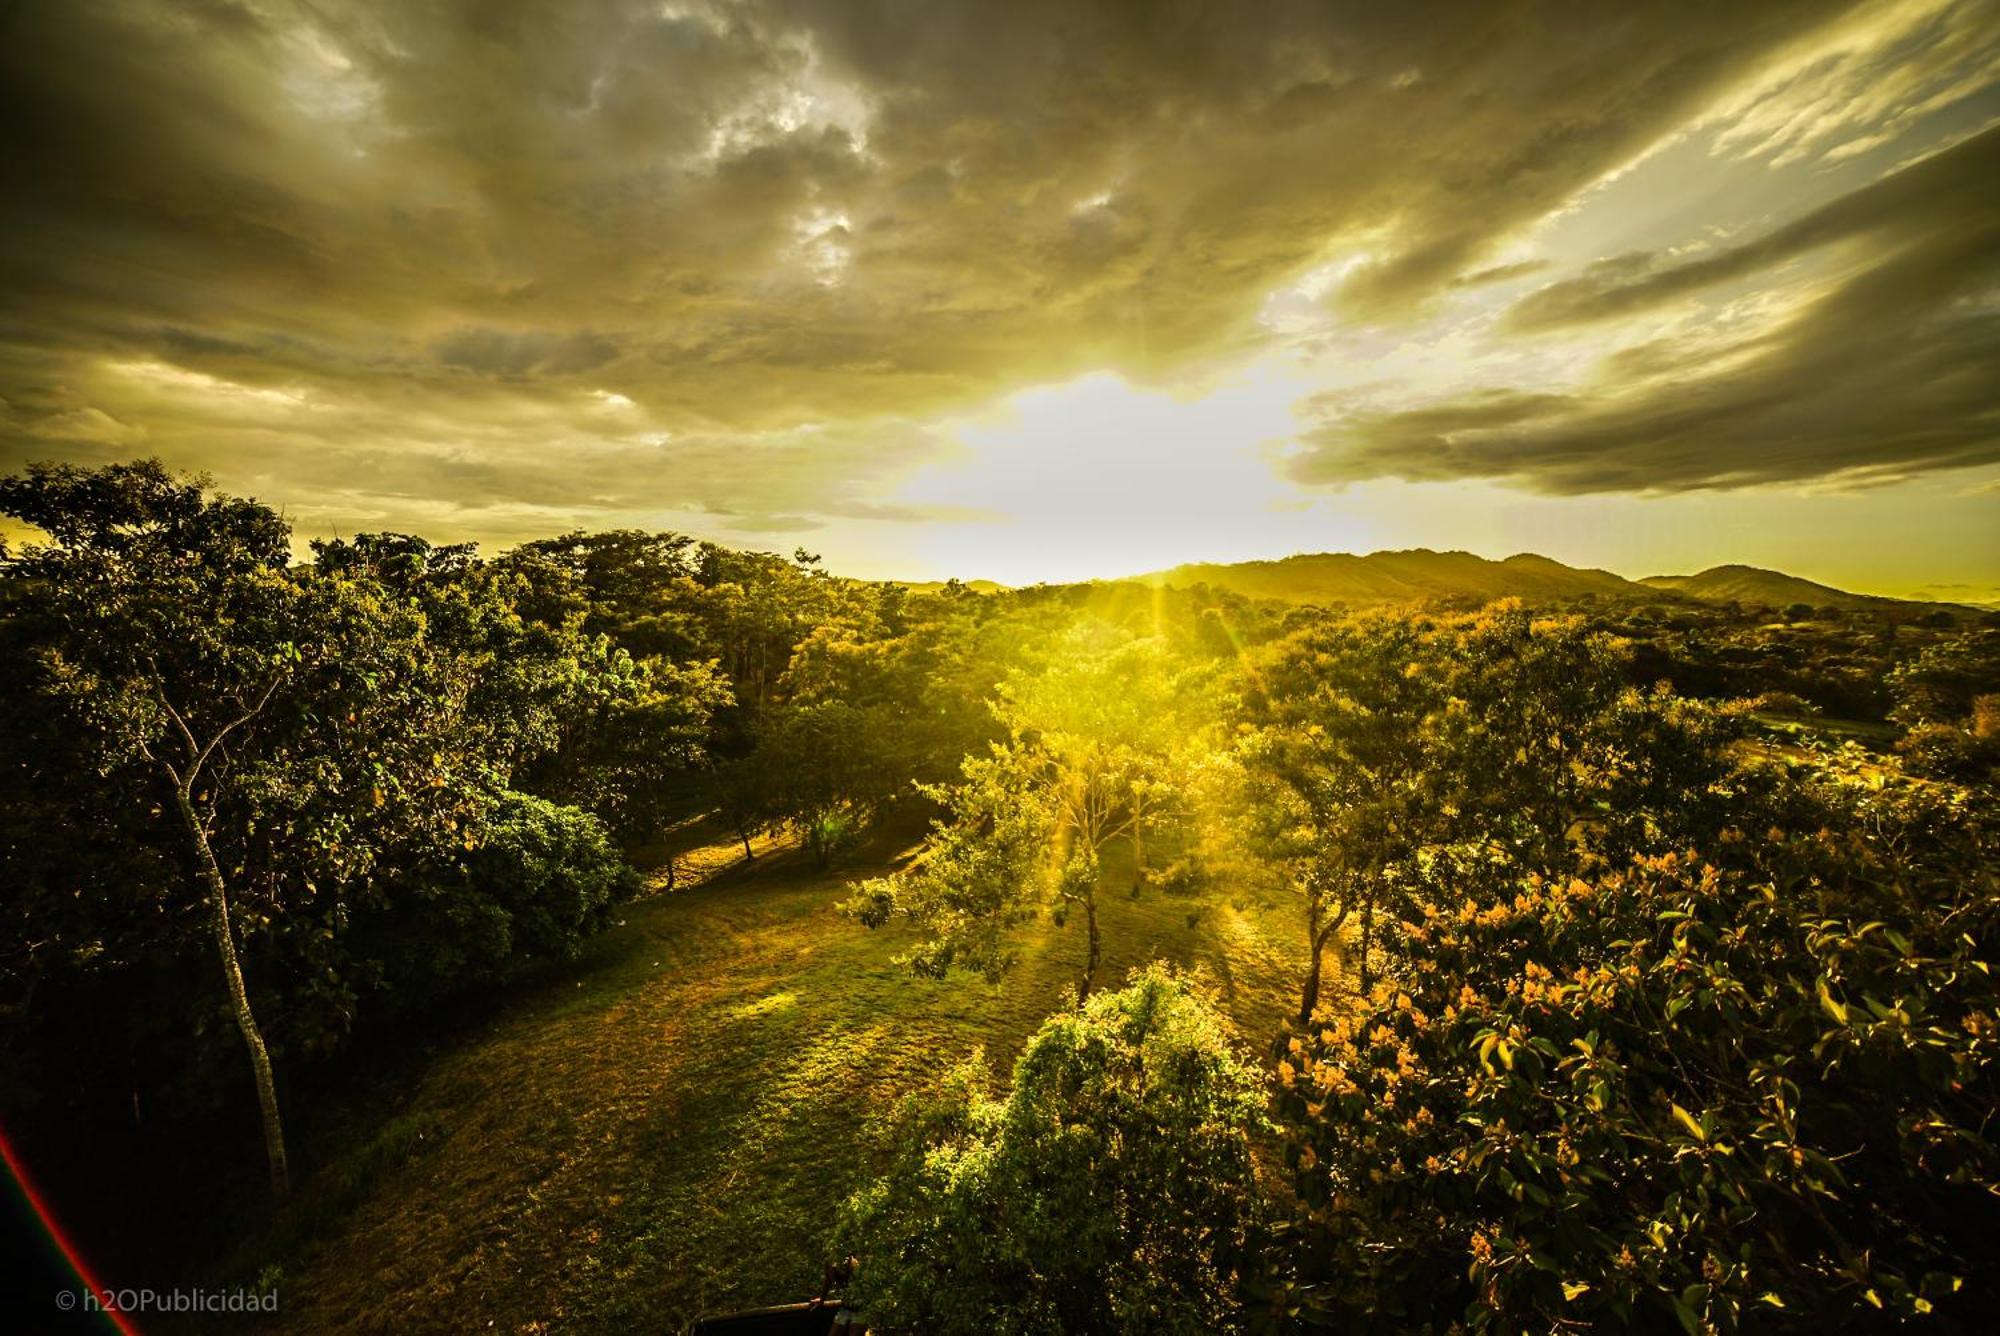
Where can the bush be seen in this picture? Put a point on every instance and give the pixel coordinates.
(1750, 1096)
(553, 870)
(538, 883)
(1110, 1190)
(1944, 751)
(1785, 705)
(1183, 878)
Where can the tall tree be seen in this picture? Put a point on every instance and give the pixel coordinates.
(298, 730)
(1390, 752)
(1333, 748)
(985, 868)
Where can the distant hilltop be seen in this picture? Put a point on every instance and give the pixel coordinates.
(1419, 573)
(1752, 584)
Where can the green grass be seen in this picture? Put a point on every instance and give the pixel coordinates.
(666, 1128)
(1870, 731)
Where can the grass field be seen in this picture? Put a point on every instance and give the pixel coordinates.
(666, 1128)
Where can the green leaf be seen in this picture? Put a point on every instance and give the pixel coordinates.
(1688, 1121)
(1827, 1002)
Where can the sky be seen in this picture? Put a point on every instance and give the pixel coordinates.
(1035, 290)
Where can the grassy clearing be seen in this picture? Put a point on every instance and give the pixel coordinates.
(666, 1128)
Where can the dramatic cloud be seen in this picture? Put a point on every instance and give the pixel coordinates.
(1939, 204)
(492, 268)
(1886, 367)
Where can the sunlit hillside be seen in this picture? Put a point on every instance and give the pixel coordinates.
(1400, 577)
(1338, 578)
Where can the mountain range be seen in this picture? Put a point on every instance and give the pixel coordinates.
(1419, 573)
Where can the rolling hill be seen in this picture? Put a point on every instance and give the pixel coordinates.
(1753, 584)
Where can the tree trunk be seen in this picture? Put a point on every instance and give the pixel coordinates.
(239, 1000)
(1367, 939)
(1096, 950)
(132, 1075)
(1318, 934)
(748, 856)
(1309, 1001)
(1138, 843)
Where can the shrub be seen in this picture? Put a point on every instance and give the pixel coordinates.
(539, 881)
(1183, 878)
(553, 870)
(1749, 1093)
(1945, 751)
(1785, 705)
(1111, 1189)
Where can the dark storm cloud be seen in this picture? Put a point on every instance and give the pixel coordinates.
(263, 234)
(1887, 369)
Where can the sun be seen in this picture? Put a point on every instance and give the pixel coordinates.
(1099, 478)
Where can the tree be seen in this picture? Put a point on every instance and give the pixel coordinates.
(921, 669)
(1334, 750)
(819, 774)
(638, 589)
(633, 738)
(1939, 685)
(296, 729)
(551, 628)
(1100, 739)
(1094, 734)
(543, 877)
(1398, 759)
(1946, 701)
(177, 620)
(984, 868)
(1111, 1189)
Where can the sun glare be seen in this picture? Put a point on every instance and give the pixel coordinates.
(1099, 478)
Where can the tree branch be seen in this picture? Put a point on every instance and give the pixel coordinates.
(248, 714)
(187, 734)
(173, 775)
